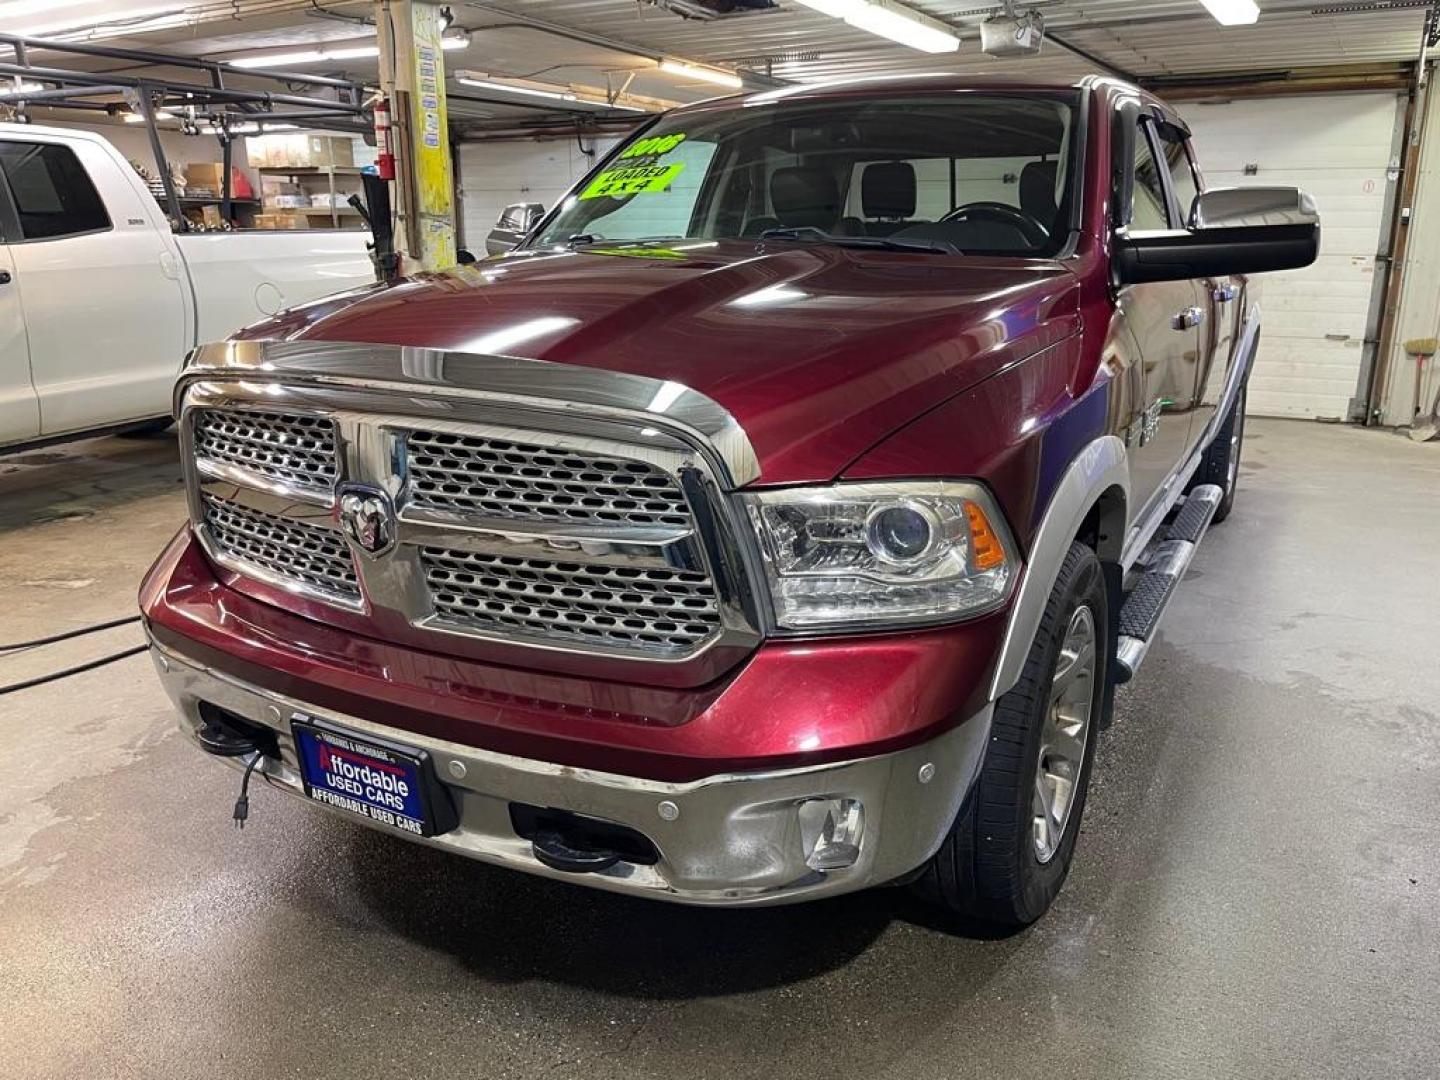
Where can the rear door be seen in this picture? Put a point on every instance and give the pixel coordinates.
(1165, 318)
(104, 307)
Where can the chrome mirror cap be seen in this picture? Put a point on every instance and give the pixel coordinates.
(1232, 207)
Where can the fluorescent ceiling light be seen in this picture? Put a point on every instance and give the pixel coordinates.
(17, 89)
(139, 118)
(554, 91)
(591, 96)
(327, 53)
(704, 74)
(1232, 12)
(888, 19)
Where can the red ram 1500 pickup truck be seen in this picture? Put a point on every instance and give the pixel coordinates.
(775, 521)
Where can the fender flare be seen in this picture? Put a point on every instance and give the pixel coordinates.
(1101, 465)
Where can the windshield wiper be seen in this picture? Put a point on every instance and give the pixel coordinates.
(884, 243)
(587, 239)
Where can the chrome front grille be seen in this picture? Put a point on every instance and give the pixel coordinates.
(579, 539)
(657, 610)
(501, 478)
(291, 448)
(282, 548)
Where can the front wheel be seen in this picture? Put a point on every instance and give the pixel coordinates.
(1007, 854)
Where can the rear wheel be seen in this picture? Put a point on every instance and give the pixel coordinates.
(1220, 464)
(1007, 854)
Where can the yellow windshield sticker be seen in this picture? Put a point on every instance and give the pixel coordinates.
(658, 146)
(632, 180)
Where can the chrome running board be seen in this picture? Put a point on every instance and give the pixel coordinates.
(1145, 605)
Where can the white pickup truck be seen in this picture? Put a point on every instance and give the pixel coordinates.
(100, 300)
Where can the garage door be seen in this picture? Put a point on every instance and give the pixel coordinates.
(1337, 147)
(495, 174)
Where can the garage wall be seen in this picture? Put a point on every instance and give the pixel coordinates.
(1338, 147)
(1419, 315)
(495, 174)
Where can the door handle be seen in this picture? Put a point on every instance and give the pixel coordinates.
(1225, 293)
(1188, 319)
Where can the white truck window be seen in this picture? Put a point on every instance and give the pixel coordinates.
(52, 193)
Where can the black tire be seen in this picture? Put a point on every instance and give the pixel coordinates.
(988, 869)
(1220, 464)
(146, 430)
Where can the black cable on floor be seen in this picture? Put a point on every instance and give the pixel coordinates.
(65, 673)
(68, 634)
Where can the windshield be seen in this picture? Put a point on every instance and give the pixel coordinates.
(956, 173)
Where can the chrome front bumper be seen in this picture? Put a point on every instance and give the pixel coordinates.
(725, 840)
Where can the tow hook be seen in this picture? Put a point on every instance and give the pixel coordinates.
(555, 852)
(226, 735)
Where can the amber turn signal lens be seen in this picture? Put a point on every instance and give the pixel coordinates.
(988, 551)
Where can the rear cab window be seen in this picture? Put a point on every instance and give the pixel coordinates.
(52, 195)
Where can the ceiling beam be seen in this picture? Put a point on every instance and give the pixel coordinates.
(518, 20)
(1330, 79)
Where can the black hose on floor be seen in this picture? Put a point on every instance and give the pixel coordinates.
(68, 634)
(65, 673)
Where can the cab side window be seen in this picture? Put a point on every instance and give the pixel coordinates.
(1182, 177)
(52, 193)
(1147, 208)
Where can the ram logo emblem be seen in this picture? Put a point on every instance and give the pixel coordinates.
(368, 519)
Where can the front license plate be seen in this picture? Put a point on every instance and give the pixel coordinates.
(386, 784)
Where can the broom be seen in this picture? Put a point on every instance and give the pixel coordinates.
(1424, 427)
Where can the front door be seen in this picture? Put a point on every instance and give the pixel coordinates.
(1166, 319)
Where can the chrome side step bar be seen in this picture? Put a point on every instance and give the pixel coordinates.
(1146, 603)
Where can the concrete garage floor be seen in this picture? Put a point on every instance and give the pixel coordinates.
(1257, 892)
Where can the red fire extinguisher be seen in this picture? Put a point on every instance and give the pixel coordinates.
(385, 157)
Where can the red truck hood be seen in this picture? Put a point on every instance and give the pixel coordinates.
(819, 352)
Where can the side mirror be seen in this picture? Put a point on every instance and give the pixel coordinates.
(1233, 231)
(533, 216)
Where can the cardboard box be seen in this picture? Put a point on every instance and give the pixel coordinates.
(205, 174)
(301, 150)
(279, 221)
(328, 150)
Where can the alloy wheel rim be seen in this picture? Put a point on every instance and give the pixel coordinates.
(1065, 735)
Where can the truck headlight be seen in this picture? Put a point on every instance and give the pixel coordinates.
(882, 554)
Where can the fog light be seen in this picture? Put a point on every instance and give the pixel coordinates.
(830, 832)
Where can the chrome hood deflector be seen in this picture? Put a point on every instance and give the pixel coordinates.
(502, 380)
